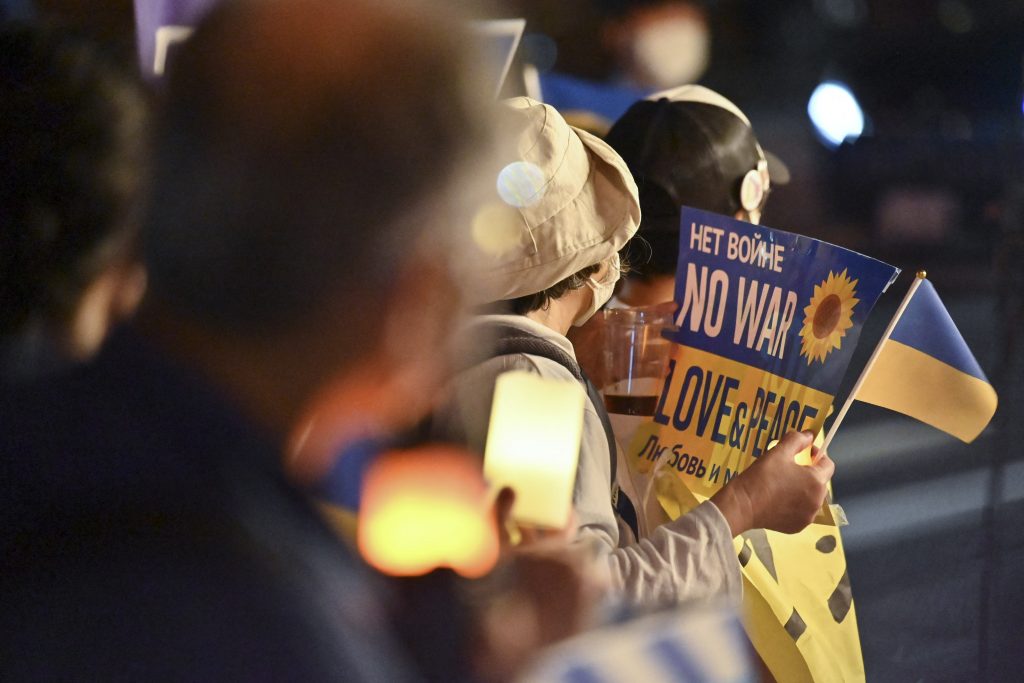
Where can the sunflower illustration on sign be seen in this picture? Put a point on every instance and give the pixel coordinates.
(828, 316)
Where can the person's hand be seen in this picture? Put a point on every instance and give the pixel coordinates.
(503, 503)
(545, 589)
(775, 492)
(512, 535)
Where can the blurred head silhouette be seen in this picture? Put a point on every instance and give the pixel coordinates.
(658, 43)
(307, 159)
(690, 146)
(72, 146)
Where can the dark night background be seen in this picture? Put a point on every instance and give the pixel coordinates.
(935, 544)
(936, 538)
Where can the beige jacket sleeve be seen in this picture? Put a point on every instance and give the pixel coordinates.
(691, 558)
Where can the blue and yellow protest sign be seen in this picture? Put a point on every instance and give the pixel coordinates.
(694, 645)
(766, 325)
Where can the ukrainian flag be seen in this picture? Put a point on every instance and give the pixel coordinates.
(925, 370)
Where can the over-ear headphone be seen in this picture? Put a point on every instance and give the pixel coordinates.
(755, 184)
(659, 136)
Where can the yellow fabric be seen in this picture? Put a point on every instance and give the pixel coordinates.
(782, 574)
(913, 383)
(803, 573)
(769, 395)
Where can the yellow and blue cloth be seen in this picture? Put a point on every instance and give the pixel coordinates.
(925, 370)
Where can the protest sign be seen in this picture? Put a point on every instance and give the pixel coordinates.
(161, 26)
(766, 324)
(688, 645)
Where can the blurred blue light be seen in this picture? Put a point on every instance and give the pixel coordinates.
(835, 113)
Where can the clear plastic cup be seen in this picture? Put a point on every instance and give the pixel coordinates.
(634, 358)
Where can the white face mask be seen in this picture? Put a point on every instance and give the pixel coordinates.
(602, 292)
(671, 52)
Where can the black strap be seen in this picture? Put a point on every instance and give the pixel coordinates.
(508, 340)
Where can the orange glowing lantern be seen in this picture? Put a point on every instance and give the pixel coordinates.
(425, 509)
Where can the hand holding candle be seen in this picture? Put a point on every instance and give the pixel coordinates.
(533, 445)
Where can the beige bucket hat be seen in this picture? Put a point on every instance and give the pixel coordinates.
(567, 201)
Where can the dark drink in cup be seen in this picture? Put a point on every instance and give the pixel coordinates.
(635, 356)
(621, 404)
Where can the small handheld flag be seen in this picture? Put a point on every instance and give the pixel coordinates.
(924, 369)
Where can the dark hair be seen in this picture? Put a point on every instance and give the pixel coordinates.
(72, 147)
(540, 300)
(681, 154)
(296, 168)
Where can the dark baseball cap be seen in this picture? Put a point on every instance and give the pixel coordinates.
(689, 146)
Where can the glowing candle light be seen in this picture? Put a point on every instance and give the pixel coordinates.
(533, 445)
(425, 509)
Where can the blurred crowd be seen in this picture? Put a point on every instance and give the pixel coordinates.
(235, 298)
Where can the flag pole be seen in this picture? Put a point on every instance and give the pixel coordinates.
(921, 275)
